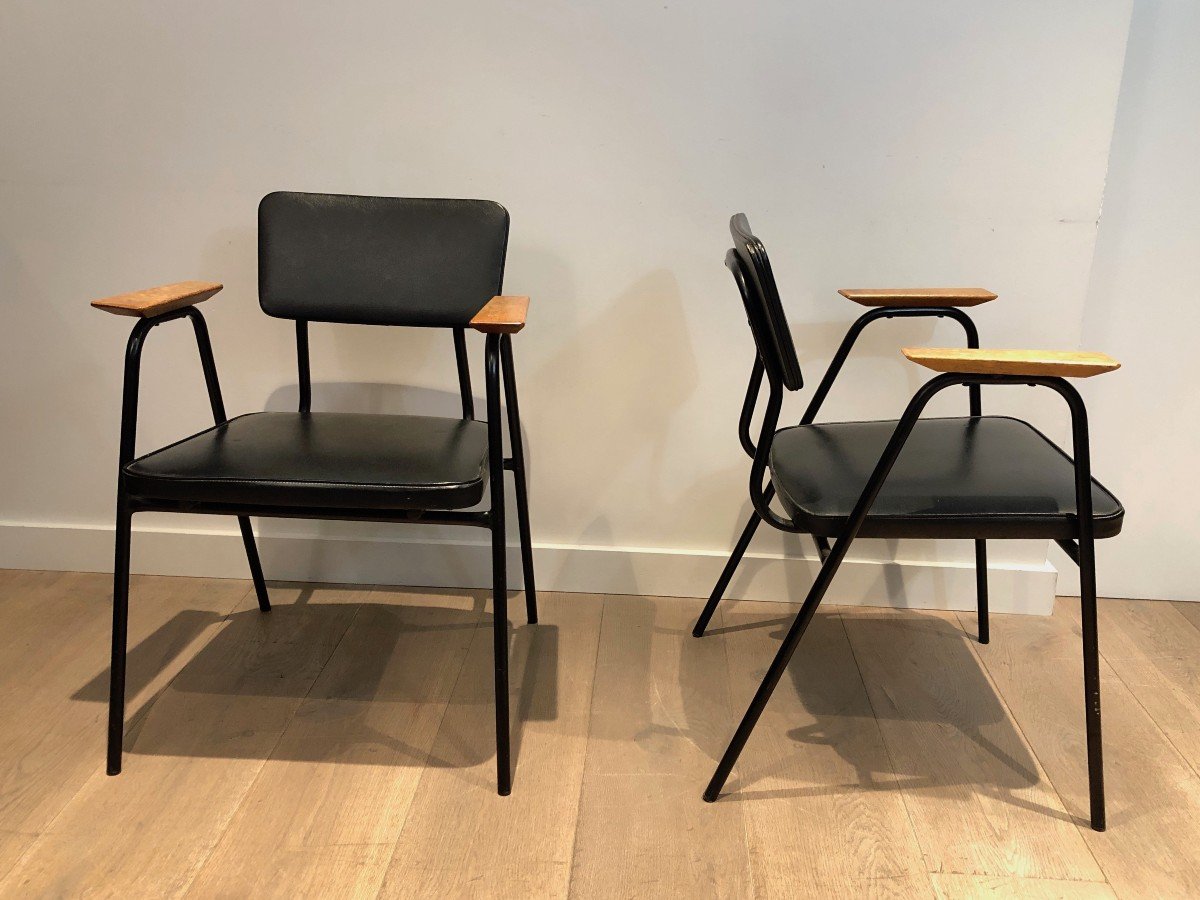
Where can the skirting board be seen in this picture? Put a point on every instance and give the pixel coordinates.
(570, 568)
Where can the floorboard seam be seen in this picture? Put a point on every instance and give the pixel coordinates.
(587, 750)
(142, 711)
(862, 680)
(191, 882)
(1081, 827)
(719, 614)
(395, 844)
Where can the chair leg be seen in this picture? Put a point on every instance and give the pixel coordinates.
(500, 644)
(120, 631)
(822, 547)
(494, 348)
(774, 673)
(718, 591)
(519, 481)
(1091, 681)
(256, 572)
(531, 611)
(981, 590)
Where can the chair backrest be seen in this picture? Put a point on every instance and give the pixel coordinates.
(752, 270)
(379, 260)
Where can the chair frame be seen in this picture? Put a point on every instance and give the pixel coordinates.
(753, 391)
(499, 376)
(1081, 549)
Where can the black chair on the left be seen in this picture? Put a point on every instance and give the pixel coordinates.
(359, 260)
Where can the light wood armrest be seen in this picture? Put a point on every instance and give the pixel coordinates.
(158, 300)
(502, 315)
(1066, 363)
(931, 297)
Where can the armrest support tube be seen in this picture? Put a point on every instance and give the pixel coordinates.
(133, 366)
(1079, 433)
(889, 312)
(493, 391)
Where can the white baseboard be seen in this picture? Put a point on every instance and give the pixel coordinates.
(573, 568)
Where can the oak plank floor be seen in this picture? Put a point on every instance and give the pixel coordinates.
(824, 813)
(1153, 795)
(980, 803)
(343, 746)
(460, 838)
(658, 721)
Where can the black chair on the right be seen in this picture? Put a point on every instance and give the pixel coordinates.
(977, 477)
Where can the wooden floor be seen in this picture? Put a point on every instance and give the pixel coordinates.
(342, 746)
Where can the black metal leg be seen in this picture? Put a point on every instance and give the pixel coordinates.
(500, 642)
(256, 572)
(739, 550)
(518, 457)
(116, 694)
(499, 572)
(981, 590)
(822, 547)
(775, 672)
(1091, 680)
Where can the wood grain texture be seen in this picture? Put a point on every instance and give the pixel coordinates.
(659, 720)
(1152, 794)
(979, 801)
(158, 300)
(825, 816)
(54, 671)
(188, 765)
(979, 887)
(918, 297)
(461, 839)
(502, 315)
(1155, 650)
(343, 746)
(1065, 363)
(1189, 609)
(326, 809)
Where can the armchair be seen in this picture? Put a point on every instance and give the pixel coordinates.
(363, 260)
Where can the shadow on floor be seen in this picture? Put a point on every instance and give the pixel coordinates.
(350, 654)
(908, 706)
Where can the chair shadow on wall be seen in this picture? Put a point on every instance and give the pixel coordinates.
(316, 656)
(826, 681)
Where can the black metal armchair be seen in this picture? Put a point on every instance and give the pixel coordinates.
(978, 477)
(361, 260)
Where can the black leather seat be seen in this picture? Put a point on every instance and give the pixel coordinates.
(992, 477)
(326, 460)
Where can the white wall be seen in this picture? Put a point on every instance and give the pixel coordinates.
(913, 142)
(1142, 308)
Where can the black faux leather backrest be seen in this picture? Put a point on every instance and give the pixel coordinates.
(379, 260)
(763, 307)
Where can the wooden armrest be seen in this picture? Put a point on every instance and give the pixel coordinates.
(1066, 363)
(158, 300)
(501, 315)
(931, 297)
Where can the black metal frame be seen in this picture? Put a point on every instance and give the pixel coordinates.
(1082, 551)
(498, 371)
(761, 497)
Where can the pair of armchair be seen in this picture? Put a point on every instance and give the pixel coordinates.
(440, 264)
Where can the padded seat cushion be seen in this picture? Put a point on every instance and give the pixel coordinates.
(990, 477)
(322, 460)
